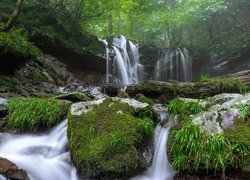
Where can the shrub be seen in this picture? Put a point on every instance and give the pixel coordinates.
(16, 42)
(32, 113)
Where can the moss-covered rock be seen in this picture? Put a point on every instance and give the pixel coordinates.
(106, 140)
(74, 97)
(34, 113)
(224, 120)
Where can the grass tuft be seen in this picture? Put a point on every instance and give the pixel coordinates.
(32, 113)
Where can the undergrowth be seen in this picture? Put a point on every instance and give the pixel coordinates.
(16, 42)
(183, 108)
(225, 84)
(194, 150)
(32, 113)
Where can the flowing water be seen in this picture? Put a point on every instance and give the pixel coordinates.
(3, 101)
(161, 169)
(174, 64)
(122, 62)
(43, 157)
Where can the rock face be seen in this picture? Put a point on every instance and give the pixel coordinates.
(233, 83)
(11, 171)
(109, 138)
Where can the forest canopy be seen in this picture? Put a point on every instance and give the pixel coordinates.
(221, 25)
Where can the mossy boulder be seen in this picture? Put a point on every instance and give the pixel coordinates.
(218, 129)
(107, 138)
(74, 97)
(34, 113)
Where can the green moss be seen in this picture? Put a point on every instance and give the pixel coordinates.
(8, 83)
(146, 100)
(104, 140)
(16, 42)
(225, 84)
(193, 150)
(29, 114)
(36, 76)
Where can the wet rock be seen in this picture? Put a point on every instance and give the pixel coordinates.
(11, 171)
(229, 118)
(74, 97)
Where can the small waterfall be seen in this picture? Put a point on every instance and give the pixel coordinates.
(3, 101)
(161, 169)
(42, 157)
(122, 62)
(105, 42)
(174, 64)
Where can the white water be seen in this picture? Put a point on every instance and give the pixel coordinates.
(3, 101)
(174, 64)
(125, 67)
(161, 169)
(43, 157)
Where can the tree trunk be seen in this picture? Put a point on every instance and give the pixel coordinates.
(13, 18)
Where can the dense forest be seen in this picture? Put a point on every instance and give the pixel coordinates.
(131, 89)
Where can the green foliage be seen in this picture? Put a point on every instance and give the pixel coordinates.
(36, 76)
(184, 108)
(225, 84)
(17, 43)
(104, 140)
(194, 150)
(32, 113)
(146, 100)
(8, 83)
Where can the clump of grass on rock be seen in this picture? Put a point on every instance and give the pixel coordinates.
(32, 113)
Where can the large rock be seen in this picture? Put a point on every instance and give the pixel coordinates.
(109, 138)
(11, 171)
(233, 83)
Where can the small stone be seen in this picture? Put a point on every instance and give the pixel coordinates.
(11, 171)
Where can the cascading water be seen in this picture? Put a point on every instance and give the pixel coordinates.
(42, 157)
(122, 62)
(161, 169)
(3, 101)
(174, 64)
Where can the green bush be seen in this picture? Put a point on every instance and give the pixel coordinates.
(194, 150)
(29, 114)
(106, 139)
(16, 42)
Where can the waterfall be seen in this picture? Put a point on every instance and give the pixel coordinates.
(174, 64)
(41, 156)
(122, 62)
(3, 101)
(161, 169)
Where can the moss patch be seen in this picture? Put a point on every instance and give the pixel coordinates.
(146, 100)
(33, 113)
(105, 141)
(225, 84)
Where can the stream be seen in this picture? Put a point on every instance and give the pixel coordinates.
(161, 169)
(43, 157)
